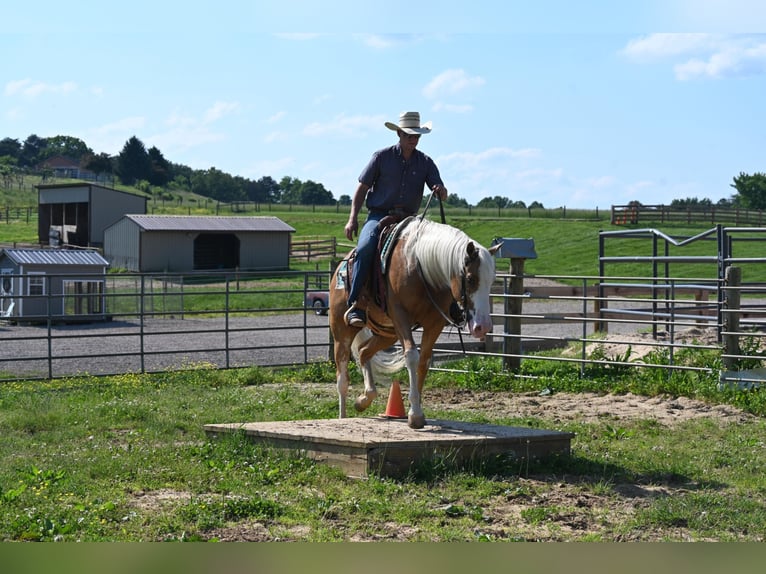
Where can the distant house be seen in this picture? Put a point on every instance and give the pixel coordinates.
(59, 283)
(177, 243)
(63, 166)
(78, 213)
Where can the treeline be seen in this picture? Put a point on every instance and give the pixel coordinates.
(151, 172)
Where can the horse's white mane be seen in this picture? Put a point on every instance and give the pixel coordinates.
(440, 249)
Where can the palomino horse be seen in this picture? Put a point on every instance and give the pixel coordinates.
(434, 270)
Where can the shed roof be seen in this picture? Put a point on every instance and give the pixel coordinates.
(208, 223)
(55, 257)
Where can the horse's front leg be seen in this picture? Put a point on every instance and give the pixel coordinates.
(416, 419)
(342, 357)
(418, 364)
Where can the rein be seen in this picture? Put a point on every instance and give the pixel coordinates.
(428, 203)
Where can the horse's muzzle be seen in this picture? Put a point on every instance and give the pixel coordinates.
(479, 325)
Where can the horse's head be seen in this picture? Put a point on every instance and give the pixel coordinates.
(471, 289)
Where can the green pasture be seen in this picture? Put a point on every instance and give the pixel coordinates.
(125, 459)
(565, 246)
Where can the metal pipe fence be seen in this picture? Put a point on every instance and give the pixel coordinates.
(153, 323)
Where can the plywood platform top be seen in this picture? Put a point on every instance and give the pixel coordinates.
(375, 432)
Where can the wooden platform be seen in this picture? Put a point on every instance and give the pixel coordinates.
(388, 447)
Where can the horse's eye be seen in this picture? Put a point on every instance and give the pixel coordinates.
(472, 281)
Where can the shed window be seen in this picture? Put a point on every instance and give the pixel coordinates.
(36, 284)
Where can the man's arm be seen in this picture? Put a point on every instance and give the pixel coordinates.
(352, 227)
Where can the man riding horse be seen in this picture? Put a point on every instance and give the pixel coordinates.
(392, 184)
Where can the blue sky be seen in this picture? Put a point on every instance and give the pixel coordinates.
(576, 104)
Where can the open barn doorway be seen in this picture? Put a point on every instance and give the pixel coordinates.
(216, 251)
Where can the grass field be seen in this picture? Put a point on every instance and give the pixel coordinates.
(566, 242)
(125, 458)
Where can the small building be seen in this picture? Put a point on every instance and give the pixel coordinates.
(181, 244)
(63, 284)
(78, 213)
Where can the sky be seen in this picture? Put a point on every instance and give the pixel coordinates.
(581, 104)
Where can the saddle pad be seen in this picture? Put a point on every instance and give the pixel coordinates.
(388, 245)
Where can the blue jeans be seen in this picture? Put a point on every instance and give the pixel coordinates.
(366, 247)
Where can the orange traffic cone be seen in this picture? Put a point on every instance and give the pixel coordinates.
(395, 406)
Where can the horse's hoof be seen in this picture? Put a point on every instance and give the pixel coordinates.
(362, 402)
(416, 421)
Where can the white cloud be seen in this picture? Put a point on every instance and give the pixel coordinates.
(453, 108)
(471, 161)
(30, 88)
(273, 168)
(703, 55)
(387, 41)
(111, 137)
(345, 126)
(275, 136)
(218, 110)
(275, 117)
(656, 46)
(451, 82)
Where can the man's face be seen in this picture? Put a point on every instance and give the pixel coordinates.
(408, 142)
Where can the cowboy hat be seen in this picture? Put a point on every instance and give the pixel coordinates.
(409, 123)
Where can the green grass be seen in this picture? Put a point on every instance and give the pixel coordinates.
(566, 242)
(126, 459)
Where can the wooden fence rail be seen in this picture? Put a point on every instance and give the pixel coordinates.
(309, 249)
(644, 214)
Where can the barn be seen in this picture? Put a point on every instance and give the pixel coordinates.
(64, 284)
(78, 213)
(181, 244)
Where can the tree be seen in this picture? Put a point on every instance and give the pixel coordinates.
(160, 167)
(496, 201)
(751, 190)
(691, 203)
(68, 146)
(133, 162)
(10, 147)
(32, 151)
(455, 201)
(291, 190)
(312, 193)
(99, 164)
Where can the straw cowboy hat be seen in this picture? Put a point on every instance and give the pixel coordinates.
(409, 123)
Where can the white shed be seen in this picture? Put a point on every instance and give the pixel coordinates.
(179, 243)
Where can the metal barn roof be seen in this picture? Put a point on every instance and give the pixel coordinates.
(208, 223)
(55, 257)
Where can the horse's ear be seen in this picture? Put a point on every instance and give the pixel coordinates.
(492, 250)
(471, 253)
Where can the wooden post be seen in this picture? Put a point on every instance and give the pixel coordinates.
(513, 306)
(732, 281)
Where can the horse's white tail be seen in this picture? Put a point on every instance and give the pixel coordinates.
(385, 362)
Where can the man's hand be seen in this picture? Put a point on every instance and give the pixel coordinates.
(439, 191)
(351, 229)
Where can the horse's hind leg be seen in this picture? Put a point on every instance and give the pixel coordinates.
(366, 353)
(342, 357)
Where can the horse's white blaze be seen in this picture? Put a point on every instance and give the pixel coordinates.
(480, 320)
